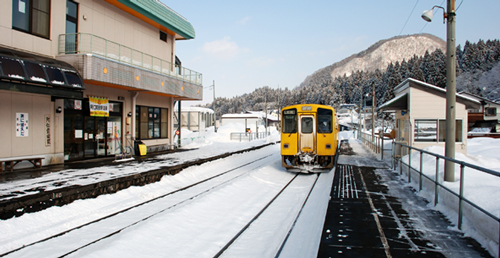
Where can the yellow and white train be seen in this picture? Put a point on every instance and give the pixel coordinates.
(309, 140)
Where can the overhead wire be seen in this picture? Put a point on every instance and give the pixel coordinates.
(408, 17)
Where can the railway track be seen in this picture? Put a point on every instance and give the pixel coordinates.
(268, 207)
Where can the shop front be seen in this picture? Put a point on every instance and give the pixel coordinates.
(92, 128)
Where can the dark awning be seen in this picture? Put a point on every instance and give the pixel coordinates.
(36, 71)
(398, 103)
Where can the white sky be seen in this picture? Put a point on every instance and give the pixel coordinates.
(244, 45)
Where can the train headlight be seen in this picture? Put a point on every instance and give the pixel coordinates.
(285, 146)
(328, 146)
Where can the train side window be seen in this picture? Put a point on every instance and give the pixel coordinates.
(289, 121)
(325, 120)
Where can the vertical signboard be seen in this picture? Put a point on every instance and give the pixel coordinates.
(22, 124)
(47, 130)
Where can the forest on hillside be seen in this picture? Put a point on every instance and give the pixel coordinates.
(478, 72)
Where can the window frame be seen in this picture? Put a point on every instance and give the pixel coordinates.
(325, 115)
(417, 134)
(32, 11)
(440, 130)
(488, 113)
(151, 123)
(289, 121)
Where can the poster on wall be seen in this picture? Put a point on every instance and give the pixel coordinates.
(22, 125)
(78, 104)
(47, 130)
(99, 106)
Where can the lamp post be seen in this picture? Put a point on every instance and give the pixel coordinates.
(449, 167)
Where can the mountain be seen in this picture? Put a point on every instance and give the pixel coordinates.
(379, 56)
(417, 56)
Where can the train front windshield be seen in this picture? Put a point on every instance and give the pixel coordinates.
(289, 121)
(325, 120)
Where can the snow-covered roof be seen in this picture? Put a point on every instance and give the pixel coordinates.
(410, 82)
(240, 116)
(195, 109)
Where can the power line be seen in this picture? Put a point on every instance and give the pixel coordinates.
(408, 17)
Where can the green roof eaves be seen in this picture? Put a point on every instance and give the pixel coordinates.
(163, 15)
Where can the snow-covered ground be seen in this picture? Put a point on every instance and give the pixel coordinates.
(193, 230)
(481, 189)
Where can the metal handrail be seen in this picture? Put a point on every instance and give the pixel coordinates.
(86, 43)
(376, 144)
(436, 182)
(248, 136)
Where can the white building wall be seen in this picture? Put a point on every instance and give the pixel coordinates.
(96, 17)
(424, 105)
(37, 107)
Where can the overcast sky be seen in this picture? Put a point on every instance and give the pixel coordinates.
(244, 45)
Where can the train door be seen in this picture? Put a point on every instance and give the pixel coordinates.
(307, 129)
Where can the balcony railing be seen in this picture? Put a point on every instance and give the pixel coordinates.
(84, 43)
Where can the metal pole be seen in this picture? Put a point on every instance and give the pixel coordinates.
(359, 115)
(213, 107)
(373, 111)
(265, 110)
(449, 173)
(180, 124)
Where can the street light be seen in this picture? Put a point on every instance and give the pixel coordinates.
(449, 167)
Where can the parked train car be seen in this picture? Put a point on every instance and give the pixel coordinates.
(309, 140)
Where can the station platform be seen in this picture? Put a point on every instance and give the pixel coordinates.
(372, 212)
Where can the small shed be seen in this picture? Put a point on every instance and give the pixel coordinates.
(195, 119)
(420, 112)
(248, 119)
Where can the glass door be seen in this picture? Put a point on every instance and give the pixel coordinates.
(95, 136)
(89, 142)
(100, 136)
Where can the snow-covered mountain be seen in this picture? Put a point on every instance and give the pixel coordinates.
(379, 55)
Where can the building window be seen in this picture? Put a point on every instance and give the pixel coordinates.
(71, 26)
(425, 130)
(429, 130)
(491, 111)
(151, 123)
(458, 130)
(32, 16)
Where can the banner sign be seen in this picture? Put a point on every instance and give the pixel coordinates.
(22, 128)
(99, 106)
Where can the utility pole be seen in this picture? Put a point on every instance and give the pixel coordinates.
(265, 110)
(449, 170)
(213, 108)
(451, 86)
(359, 115)
(373, 112)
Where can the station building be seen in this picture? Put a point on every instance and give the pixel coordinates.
(84, 78)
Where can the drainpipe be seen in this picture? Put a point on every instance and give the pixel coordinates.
(134, 101)
(180, 124)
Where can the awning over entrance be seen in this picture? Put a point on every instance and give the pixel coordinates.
(398, 103)
(30, 73)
